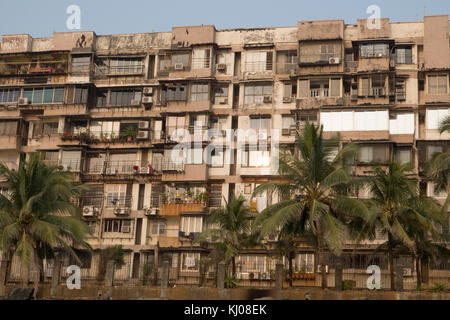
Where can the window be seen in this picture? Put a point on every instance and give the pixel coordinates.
(319, 53)
(174, 92)
(374, 50)
(304, 262)
(258, 61)
(116, 195)
(319, 88)
(432, 192)
(217, 157)
(431, 150)
(259, 123)
(125, 97)
(403, 156)
(71, 160)
(402, 124)
(9, 95)
(201, 58)
(8, 128)
(434, 117)
(199, 92)
(92, 225)
(191, 224)
(81, 63)
(44, 95)
(158, 228)
(81, 95)
(117, 225)
(286, 62)
(355, 121)
(221, 94)
(175, 123)
(122, 162)
(255, 93)
(252, 157)
(194, 155)
(253, 263)
(101, 96)
(400, 89)
(182, 58)
(125, 65)
(190, 261)
(50, 128)
(94, 196)
(437, 84)
(287, 122)
(375, 153)
(105, 129)
(404, 55)
(290, 89)
(336, 87)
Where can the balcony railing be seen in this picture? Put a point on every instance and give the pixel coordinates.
(201, 63)
(33, 68)
(320, 58)
(317, 93)
(114, 70)
(175, 166)
(121, 167)
(257, 66)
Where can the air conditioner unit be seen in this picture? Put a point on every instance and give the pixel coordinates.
(267, 99)
(147, 100)
(245, 276)
(407, 272)
(109, 171)
(334, 60)
(135, 102)
(318, 268)
(88, 211)
(253, 275)
(142, 135)
(151, 211)
(222, 100)
(178, 66)
(287, 99)
(144, 170)
(264, 275)
(22, 101)
(221, 66)
(262, 135)
(126, 229)
(147, 91)
(122, 211)
(286, 132)
(143, 124)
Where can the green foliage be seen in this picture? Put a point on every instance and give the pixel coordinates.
(231, 282)
(420, 288)
(348, 285)
(112, 253)
(438, 286)
(147, 270)
(38, 215)
(129, 131)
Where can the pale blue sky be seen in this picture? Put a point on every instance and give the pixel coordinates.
(41, 18)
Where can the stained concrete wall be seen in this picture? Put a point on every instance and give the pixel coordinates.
(436, 42)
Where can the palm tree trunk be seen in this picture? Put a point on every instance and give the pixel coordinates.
(321, 255)
(24, 273)
(418, 273)
(391, 261)
(290, 268)
(37, 265)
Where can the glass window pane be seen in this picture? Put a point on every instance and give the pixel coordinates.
(37, 95)
(48, 95)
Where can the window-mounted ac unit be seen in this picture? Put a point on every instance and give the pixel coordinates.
(89, 211)
(244, 276)
(286, 132)
(144, 170)
(142, 135)
(126, 229)
(334, 60)
(221, 66)
(147, 91)
(122, 211)
(318, 268)
(135, 102)
(264, 275)
(22, 101)
(147, 100)
(253, 275)
(239, 275)
(178, 66)
(287, 99)
(267, 99)
(143, 124)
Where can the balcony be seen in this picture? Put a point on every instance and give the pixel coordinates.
(286, 68)
(108, 70)
(179, 171)
(33, 68)
(121, 168)
(350, 66)
(175, 209)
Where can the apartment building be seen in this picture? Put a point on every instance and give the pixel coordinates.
(108, 107)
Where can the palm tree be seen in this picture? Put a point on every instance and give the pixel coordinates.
(444, 125)
(395, 209)
(319, 178)
(231, 230)
(38, 217)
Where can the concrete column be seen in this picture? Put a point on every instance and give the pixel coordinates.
(338, 277)
(278, 280)
(399, 278)
(221, 275)
(164, 279)
(109, 278)
(56, 276)
(3, 272)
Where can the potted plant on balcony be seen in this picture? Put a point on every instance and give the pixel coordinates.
(189, 195)
(129, 133)
(204, 198)
(164, 198)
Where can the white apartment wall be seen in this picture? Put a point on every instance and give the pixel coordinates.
(404, 124)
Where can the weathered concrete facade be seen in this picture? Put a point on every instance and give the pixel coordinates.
(72, 97)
